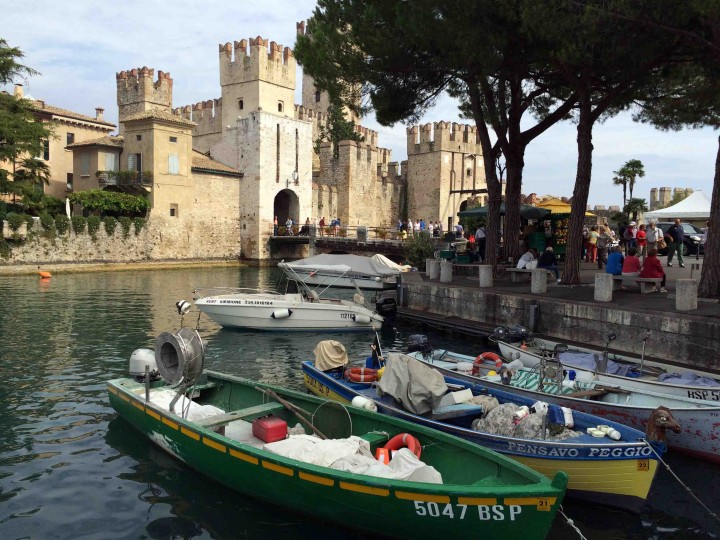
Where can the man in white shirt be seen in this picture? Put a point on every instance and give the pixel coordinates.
(526, 257)
(480, 238)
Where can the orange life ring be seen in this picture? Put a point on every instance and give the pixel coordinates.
(44, 275)
(482, 358)
(405, 440)
(361, 374)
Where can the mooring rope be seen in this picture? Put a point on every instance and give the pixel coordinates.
(687, 488)
(570, 522)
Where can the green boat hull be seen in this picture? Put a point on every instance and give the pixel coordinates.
(484, 494)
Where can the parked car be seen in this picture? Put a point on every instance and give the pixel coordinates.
(694, 238)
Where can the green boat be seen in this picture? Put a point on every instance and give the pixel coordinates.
(205, 419)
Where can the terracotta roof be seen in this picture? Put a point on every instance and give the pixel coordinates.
(41, 106)
(156, 114)
(108, 140)
(206, 163)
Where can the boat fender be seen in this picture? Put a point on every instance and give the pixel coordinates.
(281, 313)
(362, 402)
(361, 374)
(362, 319)
(568, 417)
(482, 358)
(404, 440)
(44, 275)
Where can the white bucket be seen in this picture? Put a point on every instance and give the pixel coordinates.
(464, 367)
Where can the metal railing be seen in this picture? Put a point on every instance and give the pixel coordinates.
(351, 232)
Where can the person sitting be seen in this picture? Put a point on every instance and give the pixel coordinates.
(631, 264)
(615, 262)
(653, 269)
(548, 261)
(305, 229)
(526, 258)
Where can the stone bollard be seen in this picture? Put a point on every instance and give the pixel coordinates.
(538, 281)
(432, 268)
(603, 287)
(686, 294)
(486, 275)
(445, 271)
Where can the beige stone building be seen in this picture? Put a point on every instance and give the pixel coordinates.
(69, 127)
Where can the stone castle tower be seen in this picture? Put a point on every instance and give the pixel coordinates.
(137, 92)
(444, 169)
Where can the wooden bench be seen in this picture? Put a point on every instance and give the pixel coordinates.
(516, 274)
(249, 413)
(646, 283)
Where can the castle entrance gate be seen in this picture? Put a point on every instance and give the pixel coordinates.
(287, 205)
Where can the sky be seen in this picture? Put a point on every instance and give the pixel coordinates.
(79, 46)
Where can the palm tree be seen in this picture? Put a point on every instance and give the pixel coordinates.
(635, 207)
(627, 174)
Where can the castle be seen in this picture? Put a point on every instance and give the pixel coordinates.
(223, 168)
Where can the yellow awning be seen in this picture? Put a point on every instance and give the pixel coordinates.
(556, 206)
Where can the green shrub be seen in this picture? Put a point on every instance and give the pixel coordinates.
(110, 224)
(417, 248)
(47, 222)
(62, 224)
(139, 224)
(29, 220)
(93, 226)
(125, 224)
(4, 249)
(78, 224)
(15, 221)
(3, 210)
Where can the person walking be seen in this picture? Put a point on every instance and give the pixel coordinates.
(642, 241)
(676, 236)
(652, 234)
(321, 224)
(481, 239)
(592, 244)
(604, 243)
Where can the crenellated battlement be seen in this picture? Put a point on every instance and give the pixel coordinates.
(443, 136)
(206, 114)
(257, 59)
(311, 115)
(138, 91)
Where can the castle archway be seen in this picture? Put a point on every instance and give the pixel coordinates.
(286, 205)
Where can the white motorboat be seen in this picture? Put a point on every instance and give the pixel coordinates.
(299, 309)
(612, 368)
(375, 273)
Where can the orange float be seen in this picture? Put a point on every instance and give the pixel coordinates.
(482, 359)
(361, 374)
(404, 440)
(44, 275)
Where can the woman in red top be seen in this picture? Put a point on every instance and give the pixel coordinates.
(653, 268)
(642, 241)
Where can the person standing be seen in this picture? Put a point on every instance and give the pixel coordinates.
(410, 227)
(604, 243)
(630, 236)
(431, 228)
(642, 241)
(481, 239)
(438, 229)
(592, 244)
(322, 226)
(275, 227)
(652, 234)
(676, 236)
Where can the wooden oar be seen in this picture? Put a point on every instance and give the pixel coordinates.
(293, 409)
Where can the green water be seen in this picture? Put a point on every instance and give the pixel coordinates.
(69, 468)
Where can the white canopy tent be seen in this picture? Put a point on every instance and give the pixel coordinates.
(693, 207)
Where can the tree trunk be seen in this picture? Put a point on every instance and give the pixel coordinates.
(513, 189)
(573, 251)
(493, 221)
(709, 286)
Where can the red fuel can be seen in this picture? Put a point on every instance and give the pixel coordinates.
(269, 429)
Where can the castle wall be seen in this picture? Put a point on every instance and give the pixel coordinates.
(207, 116)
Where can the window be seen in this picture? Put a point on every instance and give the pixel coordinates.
(173, 210)
(69, 181)
(317, 96)
(241, 104)
(281, 106)
(138, 137)
(469, 172)
(85, 164)
(173, 139)
(46, 150)
(173, 164)
(134, 162)
(70, 138)
(111, 162)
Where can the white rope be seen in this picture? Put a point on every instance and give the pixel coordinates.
(687, 488)
(571, 523)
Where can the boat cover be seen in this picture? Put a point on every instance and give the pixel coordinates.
(689, 379)
(377, 265)
(330, 354)
(590, 361)
(353, 455)
(417, 386)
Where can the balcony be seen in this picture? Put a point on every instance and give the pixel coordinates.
(125, 178)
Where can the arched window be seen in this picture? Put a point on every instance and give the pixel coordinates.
(317, 96)
(241, 104)
(280, 106)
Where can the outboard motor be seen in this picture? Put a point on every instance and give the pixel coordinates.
(386, 307)
(142, 361)
(510, 334)
(419, 343)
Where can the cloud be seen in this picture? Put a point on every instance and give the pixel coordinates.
(79, 46)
